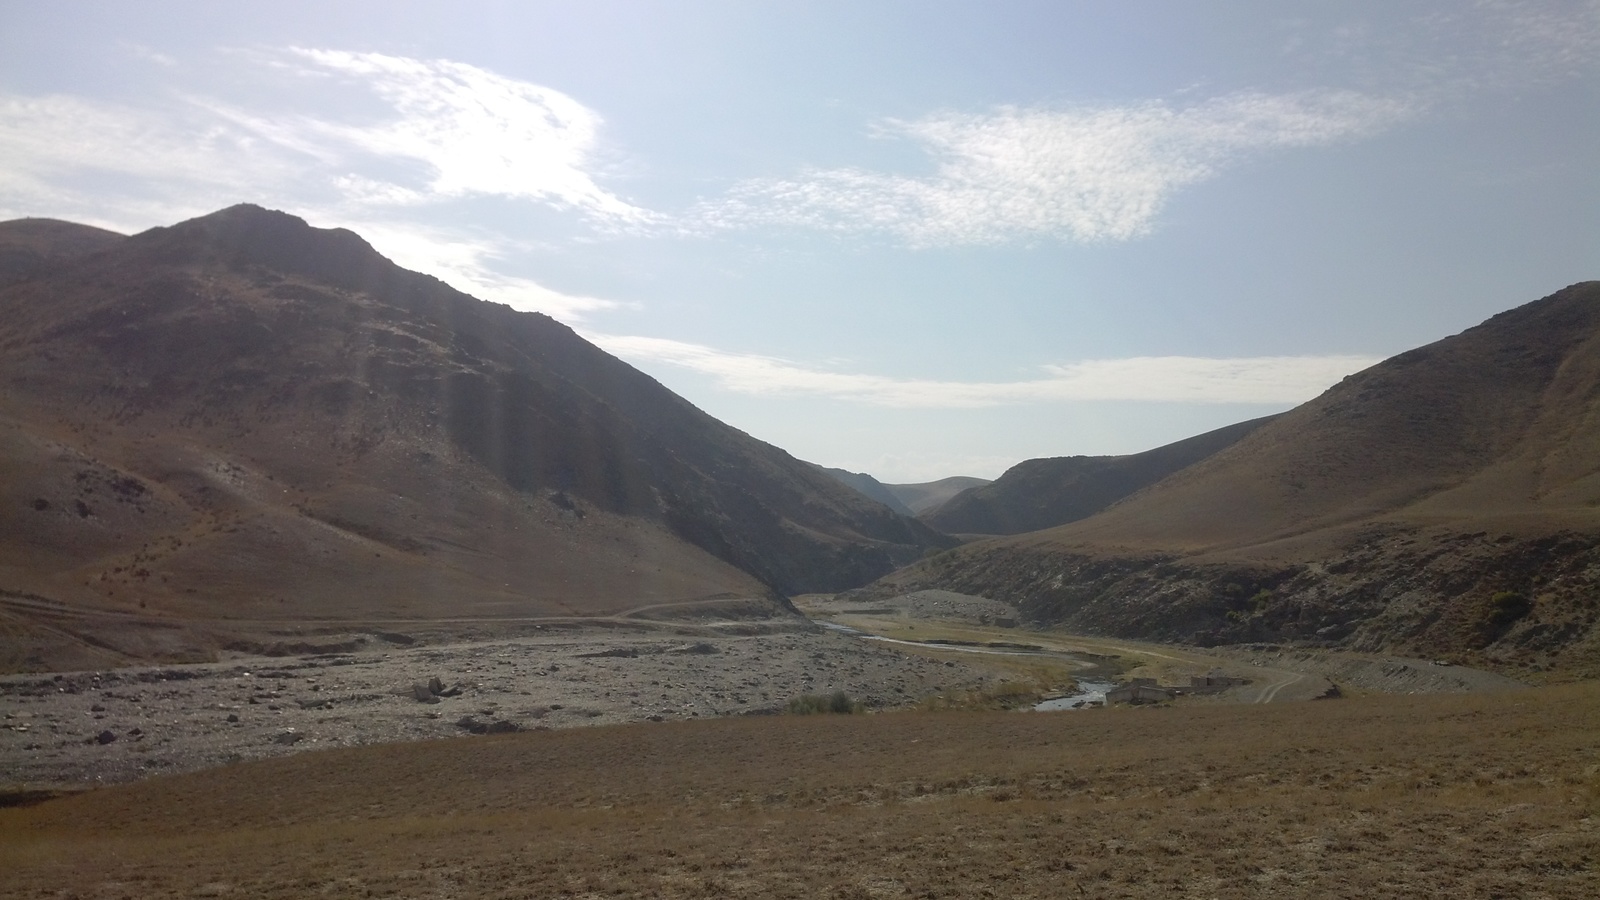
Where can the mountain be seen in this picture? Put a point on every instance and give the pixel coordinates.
(930, 495)
(1445, 502)
(28, 246)
(1042, 493)
(868, 486)
(242, 418)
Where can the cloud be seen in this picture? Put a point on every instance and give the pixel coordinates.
(1563, 38)
(444, 131)
(1084, 174)
(1181, 379)
(60, 148)
(474, 132)
(468, 264)
(1504, 45)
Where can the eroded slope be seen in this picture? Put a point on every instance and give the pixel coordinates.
(1444, 502)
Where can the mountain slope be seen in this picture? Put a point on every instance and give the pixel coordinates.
(243, 417)
(28, 246)
(1497, 423)
(1042, 493)
(867, 486)
(930, 495)
(1445, 501)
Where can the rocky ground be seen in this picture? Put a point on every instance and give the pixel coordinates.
(1271, 672)
(945, 606)
(1526, 607)
(1372, 672)
(126, 724)
(333, 690)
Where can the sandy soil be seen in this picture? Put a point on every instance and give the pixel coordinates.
(122, 725)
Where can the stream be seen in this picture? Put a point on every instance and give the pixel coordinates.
(1089, 692)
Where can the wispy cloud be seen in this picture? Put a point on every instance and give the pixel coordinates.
(65, 154)
(1082, 174)
(444, 132)
(469, 263)
(1564, 37)
(474, 133)
(1182, 379)
(447, 131)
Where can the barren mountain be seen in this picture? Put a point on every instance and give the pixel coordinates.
(930, 495)
(243, 418)
(28, 246)
(1042, 493)
(868, 486)
(1445, 501)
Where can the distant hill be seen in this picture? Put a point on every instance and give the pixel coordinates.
(930, 495)
(241, 418)
(868, 487)
(1443, 502)
(28, 246)
(1043, 493)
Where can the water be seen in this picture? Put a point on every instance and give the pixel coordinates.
(1088, 692)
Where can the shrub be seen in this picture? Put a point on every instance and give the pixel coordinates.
(811, 704)
(1506, 607)
(1004, 695)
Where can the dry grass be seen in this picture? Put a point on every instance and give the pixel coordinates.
(1441, 796)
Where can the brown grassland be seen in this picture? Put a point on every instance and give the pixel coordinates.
(1488, 795)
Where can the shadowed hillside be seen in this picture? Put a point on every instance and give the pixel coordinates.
(1445, 501)
(868, 486)
(930, 495)
(28, 246)
(243, 417)
(1043, 493)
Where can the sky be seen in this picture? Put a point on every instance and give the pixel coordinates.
(913, 239)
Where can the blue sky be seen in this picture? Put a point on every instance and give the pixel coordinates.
(915, 239)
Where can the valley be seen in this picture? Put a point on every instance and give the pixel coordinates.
(382, 590)
(800, 451)
(342, 688)
(354, 684)
(936, 620)
(1383, 795)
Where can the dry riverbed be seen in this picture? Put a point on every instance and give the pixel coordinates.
(122, 725)
(77, 728)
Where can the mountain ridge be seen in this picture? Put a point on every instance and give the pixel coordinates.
(868, 486)
(245, 371)
(1445, 502)
(927, 496)
(1042, 493)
